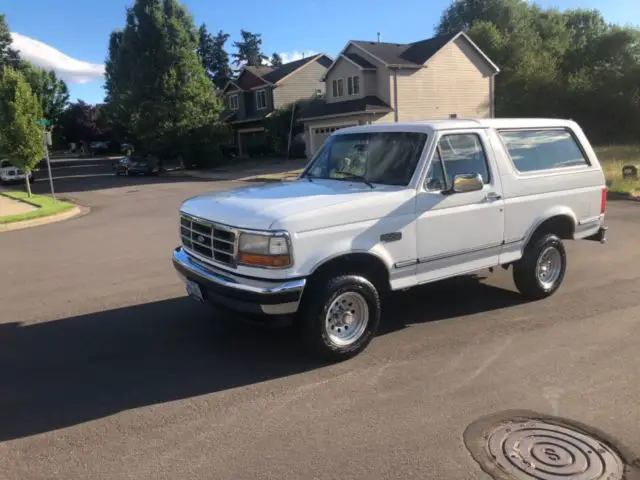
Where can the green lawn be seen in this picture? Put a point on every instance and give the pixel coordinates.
(46, 206)
(613, 158)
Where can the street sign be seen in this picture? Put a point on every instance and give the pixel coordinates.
(43, 122)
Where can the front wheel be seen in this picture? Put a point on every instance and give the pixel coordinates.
(341, 318)
(540, 271)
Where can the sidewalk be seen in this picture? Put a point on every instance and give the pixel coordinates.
(9, 206)
(250, 170)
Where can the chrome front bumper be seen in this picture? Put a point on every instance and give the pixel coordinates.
(238, 293)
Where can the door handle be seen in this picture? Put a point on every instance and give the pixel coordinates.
(493, 196)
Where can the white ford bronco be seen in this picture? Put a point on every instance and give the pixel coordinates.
(387, 207)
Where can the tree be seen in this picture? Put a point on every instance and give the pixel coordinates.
(20, 137)
(221, 68)
(156, 85)
(213, 56)
(80, 123)
(276, 60)
(50, 90)
(8, 56)
(249, 50)
(205, 50)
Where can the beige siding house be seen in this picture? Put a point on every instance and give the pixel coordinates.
(257, 92)
(446, 76)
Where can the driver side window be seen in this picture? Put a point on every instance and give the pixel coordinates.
(456, 154)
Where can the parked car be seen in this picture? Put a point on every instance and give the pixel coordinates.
(99, 148)
(11, 174)
(136, 166)
(417, 203)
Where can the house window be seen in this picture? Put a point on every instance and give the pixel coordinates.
(353, 86)
(233, 102)
(338, 88)
(261, 99)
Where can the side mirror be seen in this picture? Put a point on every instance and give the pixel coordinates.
(467, 182)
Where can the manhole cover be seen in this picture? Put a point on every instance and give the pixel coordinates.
(545, 451)
(523, 445)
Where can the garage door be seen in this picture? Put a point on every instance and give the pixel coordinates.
(320, 134)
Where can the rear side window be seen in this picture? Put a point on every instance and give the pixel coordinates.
(535, 150)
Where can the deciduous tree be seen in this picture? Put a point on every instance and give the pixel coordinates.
(20, 137)
(52, 91)
(156, 85)
(8, 56)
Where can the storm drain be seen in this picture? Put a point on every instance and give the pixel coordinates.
(534, 448)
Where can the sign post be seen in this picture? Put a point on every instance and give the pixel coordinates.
(45, 138)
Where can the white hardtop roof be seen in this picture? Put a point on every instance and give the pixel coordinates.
(429, 126)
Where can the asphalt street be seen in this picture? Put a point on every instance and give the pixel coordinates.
(107, 369)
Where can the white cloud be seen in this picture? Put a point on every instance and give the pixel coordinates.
(45, 56)
(296, 55)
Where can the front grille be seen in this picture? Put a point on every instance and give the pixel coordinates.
(209, 240)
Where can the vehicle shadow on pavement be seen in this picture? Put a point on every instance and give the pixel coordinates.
(65, 372)
(454, 297)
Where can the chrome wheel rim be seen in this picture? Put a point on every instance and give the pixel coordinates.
(549, 267)
(347, 318)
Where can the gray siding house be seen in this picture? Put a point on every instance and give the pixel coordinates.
(257, 92)
(446, 76)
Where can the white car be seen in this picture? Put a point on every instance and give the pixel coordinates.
(11, 174)
(419, 202)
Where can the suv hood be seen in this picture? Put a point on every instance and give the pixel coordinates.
(259, 207)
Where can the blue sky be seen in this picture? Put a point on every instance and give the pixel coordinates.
(79, 30)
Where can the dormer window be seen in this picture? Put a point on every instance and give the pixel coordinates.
(261, 99)
(353, 86)
(233, 102)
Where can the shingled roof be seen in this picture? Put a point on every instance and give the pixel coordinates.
(273, 75)
(405, 55)
(287, 68)
(321, 108)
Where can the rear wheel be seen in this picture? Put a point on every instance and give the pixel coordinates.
(540, 271)
(341, 317)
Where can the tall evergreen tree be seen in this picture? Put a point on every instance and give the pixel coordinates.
(156, 85)
(8, 56)
(20, 137)
(249, 50)
(205, 50)
(213, 56)
(222, 70)
(276, 60)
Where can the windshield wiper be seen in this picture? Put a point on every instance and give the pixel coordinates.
(356, 177)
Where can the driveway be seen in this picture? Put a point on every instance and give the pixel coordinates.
(107, 370)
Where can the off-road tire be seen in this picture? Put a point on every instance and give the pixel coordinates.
(313, 311)
(524, 270)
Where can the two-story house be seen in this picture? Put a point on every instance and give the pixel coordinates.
(446, 76)
(259, 91)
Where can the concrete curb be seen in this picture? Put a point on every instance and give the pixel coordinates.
(36, 222)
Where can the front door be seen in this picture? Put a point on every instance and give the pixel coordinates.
(459, 233)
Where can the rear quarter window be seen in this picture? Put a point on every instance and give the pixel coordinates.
(538, 150)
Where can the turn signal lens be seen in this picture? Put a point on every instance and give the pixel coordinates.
(279, 261)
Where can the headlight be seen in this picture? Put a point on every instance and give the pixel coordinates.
(264, 250)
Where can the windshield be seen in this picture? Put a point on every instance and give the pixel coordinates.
(388, 158)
